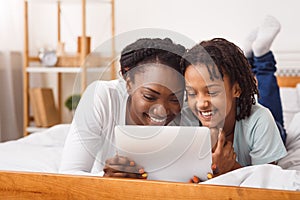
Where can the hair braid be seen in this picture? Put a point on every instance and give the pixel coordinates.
(227, 58)
(147, 50)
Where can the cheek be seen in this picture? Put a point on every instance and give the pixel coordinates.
(139, 104)
(176, 108)
(192, 103)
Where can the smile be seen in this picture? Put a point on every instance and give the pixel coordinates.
(155, 120)
(158, 120)
(206, 114)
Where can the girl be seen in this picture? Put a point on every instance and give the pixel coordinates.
(150, 93)
(221, 93)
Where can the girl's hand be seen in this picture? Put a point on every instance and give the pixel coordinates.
(223, 156)
(122, 167)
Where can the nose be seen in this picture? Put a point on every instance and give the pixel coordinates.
(158, 110)
(202, 103)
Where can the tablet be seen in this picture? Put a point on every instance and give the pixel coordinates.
(168, 153)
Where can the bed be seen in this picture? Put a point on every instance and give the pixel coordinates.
(38, 178)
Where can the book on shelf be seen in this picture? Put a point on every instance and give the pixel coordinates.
(43, 106)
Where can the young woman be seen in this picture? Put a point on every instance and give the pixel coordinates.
(221, 93)
(150, 93)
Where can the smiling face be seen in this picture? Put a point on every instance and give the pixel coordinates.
(156, 95)
(212, 101)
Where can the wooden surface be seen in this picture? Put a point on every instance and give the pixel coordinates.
(25, 74)
(288, 81)
(66, 62)
(53, 186)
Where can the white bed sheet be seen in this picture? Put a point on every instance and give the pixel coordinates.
(38, 152)
(41, 152)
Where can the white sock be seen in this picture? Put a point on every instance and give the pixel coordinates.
(265, 36)
(247, 43)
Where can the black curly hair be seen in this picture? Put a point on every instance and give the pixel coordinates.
(148, 50)
(224, 56)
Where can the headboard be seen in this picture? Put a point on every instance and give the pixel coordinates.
(288, 77)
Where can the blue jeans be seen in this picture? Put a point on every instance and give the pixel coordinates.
(264, 68)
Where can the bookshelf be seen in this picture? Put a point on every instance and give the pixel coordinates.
(32, 65)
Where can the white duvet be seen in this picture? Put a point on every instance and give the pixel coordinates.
(41, 152)
(38, 152)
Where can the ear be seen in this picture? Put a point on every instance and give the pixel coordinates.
(236, 90)
(128, 84)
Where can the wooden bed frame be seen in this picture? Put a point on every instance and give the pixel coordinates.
(27, 185)
(56, 186)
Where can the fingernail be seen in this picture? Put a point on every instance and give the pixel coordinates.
(209, 176)
(196, 179)
(144, 175)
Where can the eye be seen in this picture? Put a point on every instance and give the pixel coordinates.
(190, 93)
(213, 93)
(174, 100)
(149, 97)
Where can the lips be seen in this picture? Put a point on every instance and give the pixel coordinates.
(156, 120)
(206, 115)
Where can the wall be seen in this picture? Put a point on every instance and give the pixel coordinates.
(195, 19)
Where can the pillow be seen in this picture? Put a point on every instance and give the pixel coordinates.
(290, 99)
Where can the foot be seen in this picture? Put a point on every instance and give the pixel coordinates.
(247, 43)
(265, 36)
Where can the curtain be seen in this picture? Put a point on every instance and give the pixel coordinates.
(11, 110)
(11, 45)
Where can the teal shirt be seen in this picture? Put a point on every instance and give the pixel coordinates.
(256, 139)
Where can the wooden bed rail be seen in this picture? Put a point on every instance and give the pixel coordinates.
(28, 185)
(288, 81)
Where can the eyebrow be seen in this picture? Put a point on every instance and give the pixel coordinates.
(207, 86)
(154, 91)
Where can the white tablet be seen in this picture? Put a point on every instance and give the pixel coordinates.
(169, 153)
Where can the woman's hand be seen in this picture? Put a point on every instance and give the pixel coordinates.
(223, 156)
(122, 167)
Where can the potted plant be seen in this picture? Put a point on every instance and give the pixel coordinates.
(72, 102)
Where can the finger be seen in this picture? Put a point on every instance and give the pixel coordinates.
(124, 175)
(132, 169)
(221, 141)
(214, 132)
(122, 160)
(143, 175)
(111, 160)
(113, 168)
(228, 149)
(196, 179)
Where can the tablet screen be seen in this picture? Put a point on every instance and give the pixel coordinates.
(169, 153)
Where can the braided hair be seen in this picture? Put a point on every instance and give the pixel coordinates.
(147, 50)
(224, 56)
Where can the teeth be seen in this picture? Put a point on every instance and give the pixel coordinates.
(207, 113)
(157, 120)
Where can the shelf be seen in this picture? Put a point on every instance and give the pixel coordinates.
(67, 62)
(62, 69)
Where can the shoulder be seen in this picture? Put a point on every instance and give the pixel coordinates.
(259, 113)
(104, 89)
(259, 124)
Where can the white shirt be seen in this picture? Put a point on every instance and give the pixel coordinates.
(90, 141)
